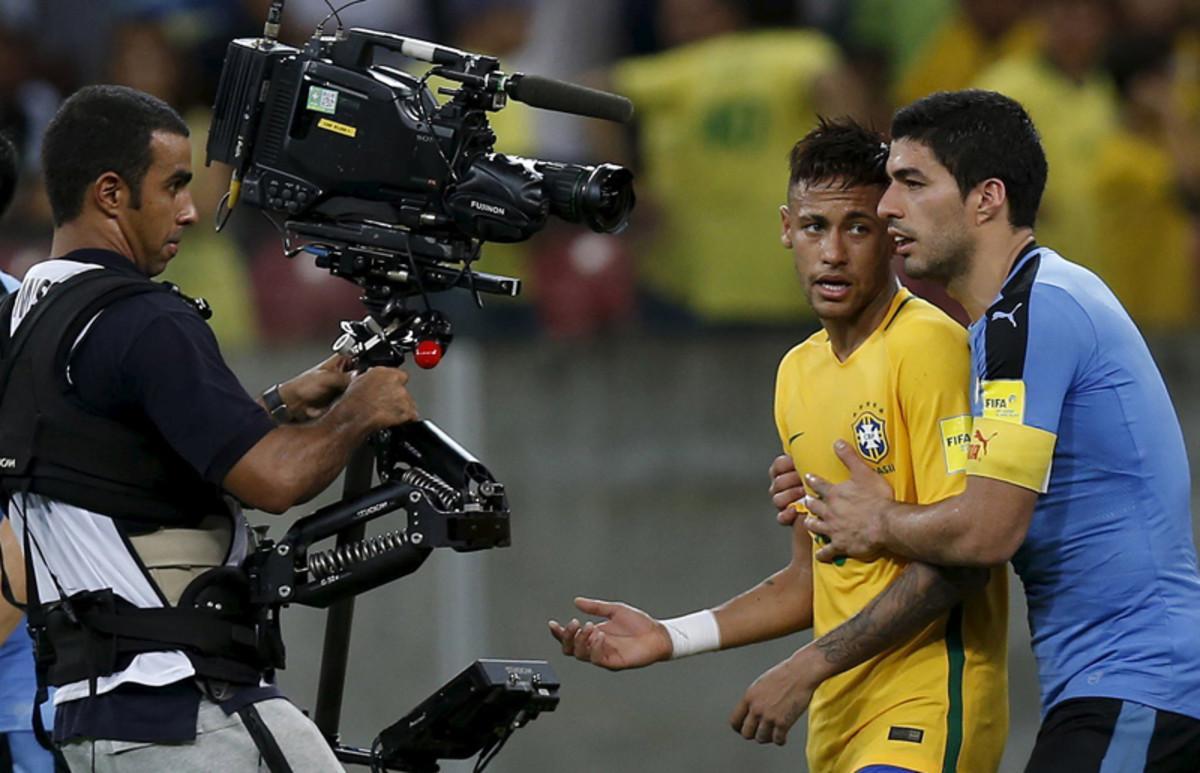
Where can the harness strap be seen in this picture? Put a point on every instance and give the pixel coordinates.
(43, 654)
(169, 625)
(268, 747)
(92, 633)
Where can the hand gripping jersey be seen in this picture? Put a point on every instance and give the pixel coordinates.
(1069, 403)
(938, 702)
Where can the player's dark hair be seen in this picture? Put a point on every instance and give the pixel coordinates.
(101, 129)
(8, 172)
(978, 135)
(839, 151)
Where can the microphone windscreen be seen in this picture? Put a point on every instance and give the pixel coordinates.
(564, 97)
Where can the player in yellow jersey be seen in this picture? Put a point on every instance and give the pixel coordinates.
(907, 668)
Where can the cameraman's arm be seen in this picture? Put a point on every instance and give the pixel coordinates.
(295, 462)
(14, 567)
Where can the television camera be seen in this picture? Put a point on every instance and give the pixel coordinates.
(396, 191)
(389, 188)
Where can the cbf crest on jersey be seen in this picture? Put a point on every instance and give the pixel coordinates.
(870, 432)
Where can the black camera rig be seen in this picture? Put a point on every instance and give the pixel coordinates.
(395, 191)
(459, 506)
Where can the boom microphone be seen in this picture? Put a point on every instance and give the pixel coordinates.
(564, 97)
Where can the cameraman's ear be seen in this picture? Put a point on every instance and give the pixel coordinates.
(110, 193)
(785, 233)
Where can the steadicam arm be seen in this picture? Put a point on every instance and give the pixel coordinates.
(448, 498)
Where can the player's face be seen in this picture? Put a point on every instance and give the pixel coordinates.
(840, 245)
(154, 229)
(925, 214)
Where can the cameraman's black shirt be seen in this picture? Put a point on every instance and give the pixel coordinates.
(150, 358)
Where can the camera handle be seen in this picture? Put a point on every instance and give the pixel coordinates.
(357, 50)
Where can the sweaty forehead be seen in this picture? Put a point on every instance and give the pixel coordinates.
(170, 151)
(832, 198)
(912, 155)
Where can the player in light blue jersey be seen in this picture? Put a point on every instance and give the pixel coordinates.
(1066, 386)
(19, 750)
(1077, 467)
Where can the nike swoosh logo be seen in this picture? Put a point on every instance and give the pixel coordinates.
(793, 437)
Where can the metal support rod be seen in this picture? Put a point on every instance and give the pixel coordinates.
(336, 651)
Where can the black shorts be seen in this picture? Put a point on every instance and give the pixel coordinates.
(1108, 735)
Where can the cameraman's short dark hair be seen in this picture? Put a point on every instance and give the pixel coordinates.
(978, 135)
(101, 129)
(839, 151)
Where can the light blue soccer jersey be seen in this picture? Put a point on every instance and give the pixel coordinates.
(17, 683)
(1068, 402)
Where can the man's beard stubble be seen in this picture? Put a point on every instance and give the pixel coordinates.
(949, 259)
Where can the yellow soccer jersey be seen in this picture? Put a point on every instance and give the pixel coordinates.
(956, 55)
(1074, 119)
(938, 702)
(1136, 184)
(717, 119)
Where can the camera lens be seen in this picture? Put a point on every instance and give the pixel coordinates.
(599, 196)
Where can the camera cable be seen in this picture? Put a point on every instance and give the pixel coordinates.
(335, 13)
(488, 753)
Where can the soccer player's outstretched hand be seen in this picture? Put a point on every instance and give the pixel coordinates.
(773, 703)
(786, 488)
(627, 638)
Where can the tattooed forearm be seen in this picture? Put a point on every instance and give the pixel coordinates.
(915, 599)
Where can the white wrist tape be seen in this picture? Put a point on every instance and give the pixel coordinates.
(693, 634)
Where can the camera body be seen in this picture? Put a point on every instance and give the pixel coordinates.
(321, 134)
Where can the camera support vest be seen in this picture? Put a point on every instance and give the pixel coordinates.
(51, 444)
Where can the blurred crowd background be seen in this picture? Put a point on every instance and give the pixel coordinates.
(722, 89)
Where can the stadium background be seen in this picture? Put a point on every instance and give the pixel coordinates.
(625, 400)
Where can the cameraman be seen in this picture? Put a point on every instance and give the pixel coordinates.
(141, 441)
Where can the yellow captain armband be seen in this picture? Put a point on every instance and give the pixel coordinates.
(1013, 453)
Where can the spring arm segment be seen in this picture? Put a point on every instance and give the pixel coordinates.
(290, 572)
